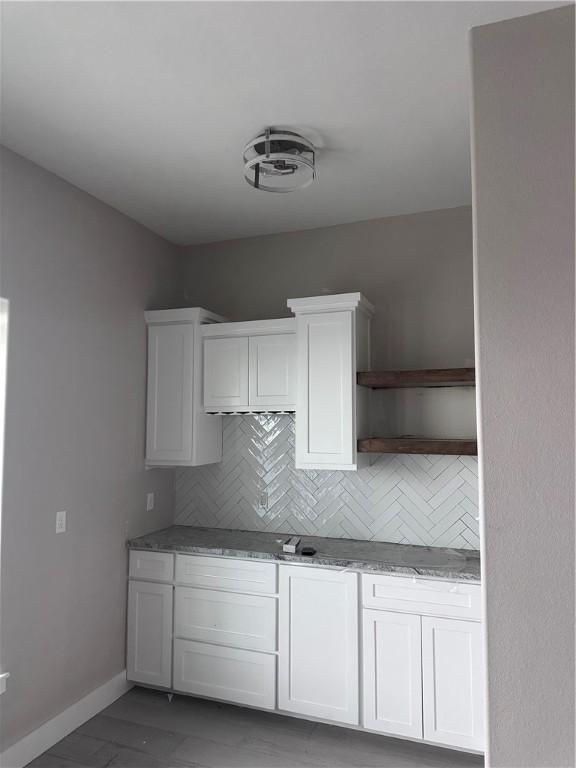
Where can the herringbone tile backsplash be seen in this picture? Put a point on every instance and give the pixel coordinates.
(429, 500)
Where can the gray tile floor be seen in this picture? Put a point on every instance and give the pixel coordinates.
(144, 730)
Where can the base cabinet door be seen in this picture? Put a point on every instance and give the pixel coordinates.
(149, 647)
(392, 673)
(230, 674)
(318, 643)
(453, 684)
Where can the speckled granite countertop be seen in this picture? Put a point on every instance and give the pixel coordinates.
(438, 562)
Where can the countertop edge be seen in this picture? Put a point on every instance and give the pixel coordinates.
(319, 562)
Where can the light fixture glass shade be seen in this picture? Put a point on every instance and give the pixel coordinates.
(279, 161)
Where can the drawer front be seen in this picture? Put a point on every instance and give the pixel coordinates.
(230, 674)
(229, 574)
(422, 596)
(153, 566)
(227, 618)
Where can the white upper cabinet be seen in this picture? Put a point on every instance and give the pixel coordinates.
(250, 366)
(178, 433)
(332, 345)
(318, 643)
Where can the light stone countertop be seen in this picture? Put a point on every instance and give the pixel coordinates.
(379, 556)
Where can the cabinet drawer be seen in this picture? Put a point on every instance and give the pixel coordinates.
(230, 674)
(155, 566)
(241, 621)
(226, 573)
(422, 596)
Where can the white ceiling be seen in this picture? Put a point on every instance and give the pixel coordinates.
(147, 106)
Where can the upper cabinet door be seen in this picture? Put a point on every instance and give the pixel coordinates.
(225, 373)
(170, 393)
(273, 371)
(332, 345)
(318, 643)
(178, 432)
(453, 682)
(325, 427)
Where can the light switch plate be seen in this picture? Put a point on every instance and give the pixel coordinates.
(149, 502)
(61, 521)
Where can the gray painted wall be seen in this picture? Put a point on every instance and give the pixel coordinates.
(416, 270)
(78, 276)
(523, 125)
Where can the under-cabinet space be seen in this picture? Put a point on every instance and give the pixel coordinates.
(229, 674)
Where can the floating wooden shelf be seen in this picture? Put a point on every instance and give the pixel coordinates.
(440, 377)
(418, 445)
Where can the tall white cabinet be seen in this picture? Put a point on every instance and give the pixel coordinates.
(332, 345)
(318, 643)
(178, 432)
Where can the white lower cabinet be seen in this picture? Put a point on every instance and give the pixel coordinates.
(230, 674)
(149, 652)
(318, 643)
(452, 663)
(286, 637)
(392, 673)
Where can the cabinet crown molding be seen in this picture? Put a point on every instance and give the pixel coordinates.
(331, 303)
(250, 328)
(195, 315)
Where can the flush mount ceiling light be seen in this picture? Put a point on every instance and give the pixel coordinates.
(279, 161)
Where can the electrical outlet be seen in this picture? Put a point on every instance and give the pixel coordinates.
(263, 500)
(149, 502)
(61, 521)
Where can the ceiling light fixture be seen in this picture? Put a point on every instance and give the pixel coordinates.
(278, 160)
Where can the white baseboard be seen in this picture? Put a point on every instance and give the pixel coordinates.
(37, 742)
